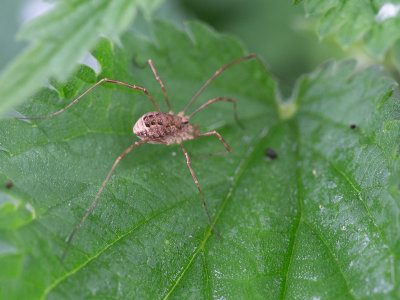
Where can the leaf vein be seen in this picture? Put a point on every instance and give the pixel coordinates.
(119, 238)
(333, 257)
(238, 172)
(358, 192)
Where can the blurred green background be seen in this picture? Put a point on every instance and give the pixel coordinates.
(276, 30)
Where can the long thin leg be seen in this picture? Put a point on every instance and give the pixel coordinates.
(209, 102)
(98, 195)
(160, 82)
(219, 71)
(198, 187)
(87, 91)
(229, 150)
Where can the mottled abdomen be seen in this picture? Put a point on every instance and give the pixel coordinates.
(157, 126)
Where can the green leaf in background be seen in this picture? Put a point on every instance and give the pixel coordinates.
(319, 221)
(376, 23)
(60, 38)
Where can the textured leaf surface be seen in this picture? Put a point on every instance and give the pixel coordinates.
(59, 39)
(321, 220)
(375, 23)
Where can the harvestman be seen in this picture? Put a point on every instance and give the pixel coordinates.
(160, 128)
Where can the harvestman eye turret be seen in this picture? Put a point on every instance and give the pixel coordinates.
(160, 128)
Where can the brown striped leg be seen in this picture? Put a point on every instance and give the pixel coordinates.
(135, 87)
(161, 83)
(219, 71)
(209, 102)
(198, 187)
(229, 150)
(98, 195)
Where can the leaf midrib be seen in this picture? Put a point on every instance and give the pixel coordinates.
(300, 201)
(242, 165)
(238, 173)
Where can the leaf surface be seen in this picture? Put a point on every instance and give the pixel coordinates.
(374, 23)
(59, 39)
(321, 220)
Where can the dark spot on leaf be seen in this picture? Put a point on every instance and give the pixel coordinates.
(153, 123)
(159, 123)
(353, 126)
(9, 184)
(147, 124)
(271, 153)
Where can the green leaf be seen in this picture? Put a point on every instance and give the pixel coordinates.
(396, 54)
(321, 220)
(59, 39)
(374, 23)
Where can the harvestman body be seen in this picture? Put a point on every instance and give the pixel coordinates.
(160, 128)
